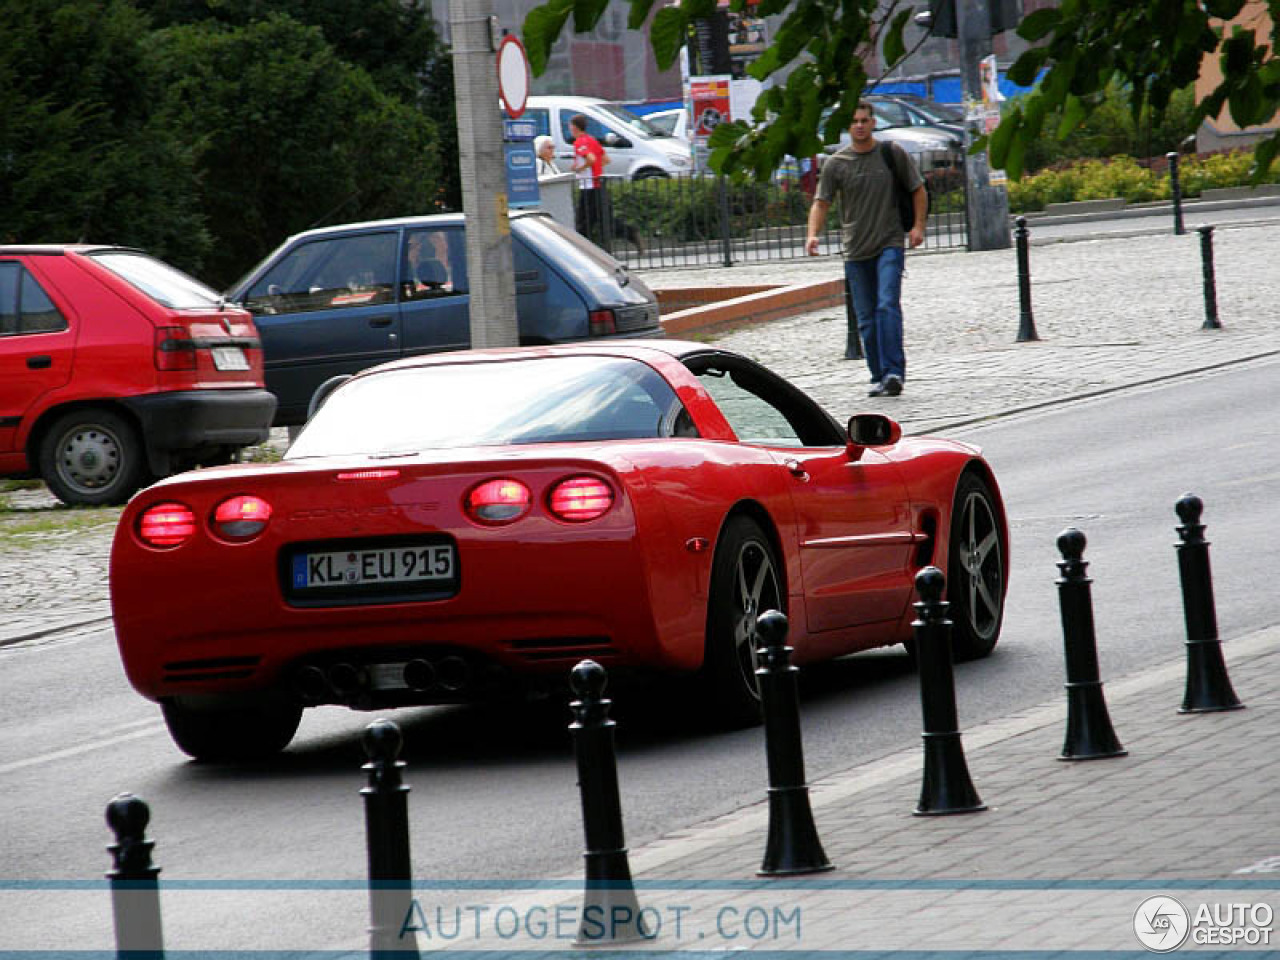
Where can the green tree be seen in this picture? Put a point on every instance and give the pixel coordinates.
(395, 41)
(81, 157)
(1154, 48)
(286, 134)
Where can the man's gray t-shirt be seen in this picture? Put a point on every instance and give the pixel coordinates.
(866, 188)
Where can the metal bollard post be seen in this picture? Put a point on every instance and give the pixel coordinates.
(726, 236)
(793, 846)
(947, 787)
(610, 912)
(1208, 686)
(1089, 732)
(386, 819)
(853, 342)
(1175, 191)
(135, 890)
(1210, 285)
(1026, 322)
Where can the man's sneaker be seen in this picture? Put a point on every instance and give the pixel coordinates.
(877, 390)
(892, 384)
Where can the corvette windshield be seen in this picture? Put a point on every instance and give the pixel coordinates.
(542, 400)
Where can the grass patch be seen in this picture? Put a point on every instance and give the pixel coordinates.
(33, 527)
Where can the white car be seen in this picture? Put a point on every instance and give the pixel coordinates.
(636, 150)
(675, 122)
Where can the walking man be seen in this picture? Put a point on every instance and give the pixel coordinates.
(871, 232)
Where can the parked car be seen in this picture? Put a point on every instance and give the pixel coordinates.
(931, 147)
(674, 122)
(636, 149)
(116, 368)
(336, 300)
(901, 110)
(468, 527)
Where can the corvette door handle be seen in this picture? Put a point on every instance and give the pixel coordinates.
(40, 362)
(797, 470)
(382, 321)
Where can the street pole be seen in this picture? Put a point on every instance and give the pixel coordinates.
(474, 32)
(988, 203)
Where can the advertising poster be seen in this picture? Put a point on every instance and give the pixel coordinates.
(710, 99)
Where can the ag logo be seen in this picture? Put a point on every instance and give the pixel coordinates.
(1161, 924)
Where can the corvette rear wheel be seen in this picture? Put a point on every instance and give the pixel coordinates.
(976, 570)
(245, 731)
(744, 584)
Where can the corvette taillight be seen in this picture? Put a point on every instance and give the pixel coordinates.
(601, 322)
(499, 501)
(241, 518)
(166, 525)
(580, 498)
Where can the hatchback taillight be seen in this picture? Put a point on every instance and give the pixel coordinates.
(602, 322)
(499, 501)
(175, 350)
(166, 525)
(241, 518)
(580, 498)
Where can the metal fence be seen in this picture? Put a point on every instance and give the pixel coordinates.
(707, 220)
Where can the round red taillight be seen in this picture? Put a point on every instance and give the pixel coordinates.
(580, 498)
(500, 501)
(166, 525)
(241, 518)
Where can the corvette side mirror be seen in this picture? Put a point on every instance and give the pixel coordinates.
(871, 430)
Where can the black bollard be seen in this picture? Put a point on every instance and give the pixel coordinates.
(1026, 322)
(853, 342)
(135, 890)
(1175, 191)
(1208, 686)
(1089, 732)
(793, 846)
(947, 787)
(1210, 285)
(386, 819)
(610, 912)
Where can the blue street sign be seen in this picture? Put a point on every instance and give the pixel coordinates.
(516, 130)
(522, 175)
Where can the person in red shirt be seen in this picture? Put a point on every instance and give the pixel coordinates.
(588, 164)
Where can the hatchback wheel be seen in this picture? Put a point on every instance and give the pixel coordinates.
(92, 457)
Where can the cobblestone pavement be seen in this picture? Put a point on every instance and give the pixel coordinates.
(1110, 313)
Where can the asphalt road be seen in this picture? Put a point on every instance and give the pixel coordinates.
(494, 794)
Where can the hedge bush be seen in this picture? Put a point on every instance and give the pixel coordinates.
(1129, 179)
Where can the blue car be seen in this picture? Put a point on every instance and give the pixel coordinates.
(334, 301)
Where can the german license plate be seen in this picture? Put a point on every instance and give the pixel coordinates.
(354, 568)
(229, 358)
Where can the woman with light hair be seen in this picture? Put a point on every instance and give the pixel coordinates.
(545, 148)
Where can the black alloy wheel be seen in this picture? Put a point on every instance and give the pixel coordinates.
(976, 575)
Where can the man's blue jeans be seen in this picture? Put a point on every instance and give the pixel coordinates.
(877, 301)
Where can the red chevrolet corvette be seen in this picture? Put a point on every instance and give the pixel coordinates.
(470, 525)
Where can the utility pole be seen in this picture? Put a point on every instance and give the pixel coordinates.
(474, 31)
(988, 203)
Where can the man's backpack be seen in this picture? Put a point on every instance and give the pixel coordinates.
(902, 196)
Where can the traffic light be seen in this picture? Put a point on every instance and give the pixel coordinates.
(1005, 15)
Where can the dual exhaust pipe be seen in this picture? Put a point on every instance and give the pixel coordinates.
(346, 681)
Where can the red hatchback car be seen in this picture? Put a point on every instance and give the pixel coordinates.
(470, 525)
(116, 368)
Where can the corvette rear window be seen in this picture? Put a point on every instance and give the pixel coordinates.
(542, 400)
